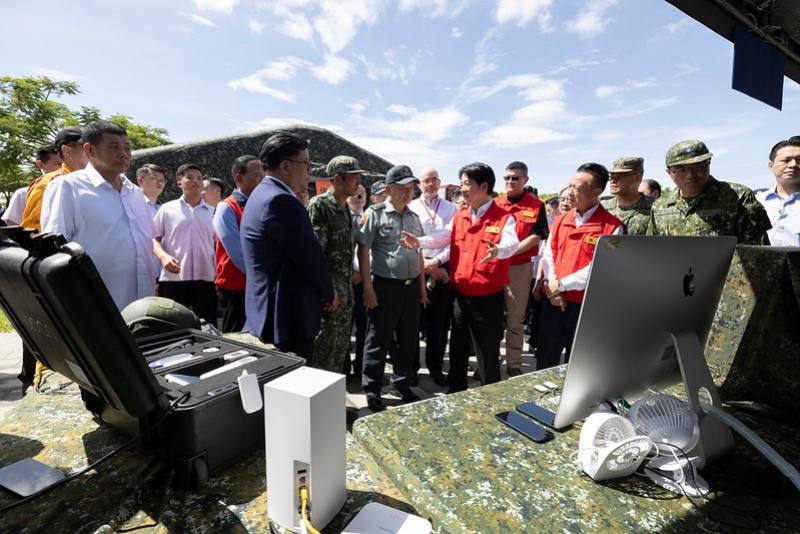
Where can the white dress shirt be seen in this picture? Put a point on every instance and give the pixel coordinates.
(576, 281)
(16, 207)
(784, 214)
(435, 216)
(507, 247)
(187, 234)
(113, 227)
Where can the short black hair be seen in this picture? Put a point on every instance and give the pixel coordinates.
(216, 181)
(552, 202)
(517, 165)
(148, 168)
(480, 173)
(598, 172)
(792, 141)
(532, 190)
(280, 147)
(93, 132)
(240, 164)
(653, 185)
(183, 169)
(46, 152)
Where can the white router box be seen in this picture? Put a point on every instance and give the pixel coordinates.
(304, 418)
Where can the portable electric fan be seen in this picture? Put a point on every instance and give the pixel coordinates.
(674, 429)
(610, 448)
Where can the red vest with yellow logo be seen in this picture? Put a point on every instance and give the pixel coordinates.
(573, 247)
(525, 212)
(228, 276)
(470, 277)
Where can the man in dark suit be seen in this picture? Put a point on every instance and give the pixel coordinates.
(287, 272)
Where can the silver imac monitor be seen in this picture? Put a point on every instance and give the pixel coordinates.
(646, 315)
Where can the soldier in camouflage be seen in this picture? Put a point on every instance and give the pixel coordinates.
(330, 218)
(701, 205)
(628, 204)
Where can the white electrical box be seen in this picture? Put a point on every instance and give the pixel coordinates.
(304, 418)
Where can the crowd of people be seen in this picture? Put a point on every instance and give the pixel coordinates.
(467, 270)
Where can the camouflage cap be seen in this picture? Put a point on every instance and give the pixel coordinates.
(686, 152)
(343, 165)
(378, 188)
(628, 164)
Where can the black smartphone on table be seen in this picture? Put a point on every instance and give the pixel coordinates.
(525, 426)
(534, 411)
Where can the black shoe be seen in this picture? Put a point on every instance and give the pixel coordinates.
(476, 375)
(375, 404)
(438, 378)
(406, 394)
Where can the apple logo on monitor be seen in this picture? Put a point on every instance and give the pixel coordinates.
(688, 283)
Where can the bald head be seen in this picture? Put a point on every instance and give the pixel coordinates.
(429, 182)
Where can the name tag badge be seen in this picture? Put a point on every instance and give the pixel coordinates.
(591, 240)
(529, 214)
(492, 229)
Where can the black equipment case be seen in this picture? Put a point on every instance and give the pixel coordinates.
(56, 300)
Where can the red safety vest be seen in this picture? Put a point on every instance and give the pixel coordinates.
(573, 248)
(525, 212)
(467, 249)
(228, 276)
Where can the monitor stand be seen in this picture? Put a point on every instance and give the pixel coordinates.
(715, 436)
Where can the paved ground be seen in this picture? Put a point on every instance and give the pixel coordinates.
(11, 359)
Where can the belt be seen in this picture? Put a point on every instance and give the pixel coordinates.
(396, 281)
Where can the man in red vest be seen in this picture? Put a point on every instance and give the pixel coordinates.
(567, 260)
(482, 238)
(531, 219)
(247, 172)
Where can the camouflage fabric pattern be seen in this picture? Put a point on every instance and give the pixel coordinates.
(628, 164)
(467, 472)
(687, 152)
(342, 165)
(334, 228)
(635, 216)
(132, 492)
(721, 209)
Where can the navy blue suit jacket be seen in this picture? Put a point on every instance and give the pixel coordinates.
(288, 275)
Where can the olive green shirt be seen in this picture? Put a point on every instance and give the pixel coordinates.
(334, 228)
(721, 209)
(380, 232)
(634, 216)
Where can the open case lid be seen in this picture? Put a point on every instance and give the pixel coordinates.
(55, 298)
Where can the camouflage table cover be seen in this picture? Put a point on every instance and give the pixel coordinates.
(467, 472)
(132, 491)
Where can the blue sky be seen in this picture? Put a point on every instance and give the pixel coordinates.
(441, 83)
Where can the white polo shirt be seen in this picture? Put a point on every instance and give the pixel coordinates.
(435, 216)
(187, 234)
(16, 207)
(113, 227)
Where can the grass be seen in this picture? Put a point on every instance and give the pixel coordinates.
(5, 325)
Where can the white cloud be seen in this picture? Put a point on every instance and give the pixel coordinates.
(456, 32)
(606, 91)
(255, 84)
(685, 69)
(582, 64)
(58, 75)
(274, 123)
(591, 19)
(430, 126)
(292, 23)
(531, 87)
(338, 22)
(358, 106)
(219, 6)
(530, 125)
(391, 69)
(435, 8)
(521, 12)
(255, 25)
(334, 70)
(675, 26)
(197, 19)
(632, 110)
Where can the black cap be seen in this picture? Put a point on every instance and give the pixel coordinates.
(66, 136)
(400, 175)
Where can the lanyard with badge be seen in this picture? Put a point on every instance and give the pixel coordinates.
(430, 224)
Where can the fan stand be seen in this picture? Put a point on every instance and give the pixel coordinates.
(715, 436)
(693, 484)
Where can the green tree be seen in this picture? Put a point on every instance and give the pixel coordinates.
(30, 115)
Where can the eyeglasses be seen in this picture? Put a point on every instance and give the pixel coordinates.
(513, 178)
(306, 163)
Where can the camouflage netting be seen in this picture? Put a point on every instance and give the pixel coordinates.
(215, 156)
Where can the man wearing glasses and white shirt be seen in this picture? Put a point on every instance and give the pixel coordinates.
(435, 213)
(783, 201)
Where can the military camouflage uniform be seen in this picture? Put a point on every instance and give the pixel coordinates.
(721, 209)
(635, 216)
(334, 228)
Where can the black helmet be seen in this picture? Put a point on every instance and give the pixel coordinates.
(155, 315)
